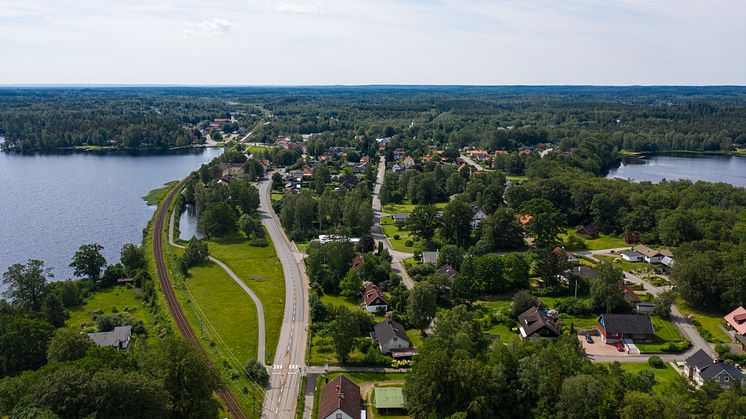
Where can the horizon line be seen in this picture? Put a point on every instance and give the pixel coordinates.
(173, 85)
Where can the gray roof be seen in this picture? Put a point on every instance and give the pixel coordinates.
(429, 257)
(533, 319)
(386, 330)
(582, 271)
(402, 216)
(629, 324)
(119, 337)
(713, 370)
(448, 271)
(632, 254)
(699, 359)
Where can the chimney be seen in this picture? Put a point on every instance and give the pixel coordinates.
(340, 395)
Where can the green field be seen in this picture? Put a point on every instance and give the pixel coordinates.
(665, 332)
(155, 196)
(115, 297)
(706, 321)
(338, 300)
(276, 197)
(664, 377)
(260, 269)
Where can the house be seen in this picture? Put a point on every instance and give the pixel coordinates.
(391, 336)
(632, 256)
(667, 261)
(231, 170)
(408, 162)
(374, 300)
(430, 257)
(478, 215)
(651, 255)
(118, 338)
(448, 271)
(590, 231)
(582, 271)
(383, 141)
(525, 219)
(700, 368)
(400, 217)
(736, 320)
(645, 307)
(396, 168)
(534, 323)
(340, 399)
(479, 154)
(570, 257)
(617, 327)
(357, 263)
(630, 296)
(125, 281)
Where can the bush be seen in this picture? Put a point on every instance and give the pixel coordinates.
(656, 362)
(409, 243)
(675, 346)
(573, 307)
(258, 242)
(396, 237)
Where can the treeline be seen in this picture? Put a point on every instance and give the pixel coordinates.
(458, 374)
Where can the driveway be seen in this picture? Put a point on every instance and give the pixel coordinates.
(599, 348)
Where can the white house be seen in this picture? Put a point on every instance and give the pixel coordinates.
(652, 255)
(478, 216)
(632, 256)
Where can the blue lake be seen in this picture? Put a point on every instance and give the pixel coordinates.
(710, 168)
(50, 204)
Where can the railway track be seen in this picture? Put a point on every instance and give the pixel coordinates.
(225, 395)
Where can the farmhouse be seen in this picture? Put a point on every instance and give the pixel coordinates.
(616, 327)
(119, 337)
(373, 299)
(534, 323)
(700, 368)
(340, 399)
(391, 336)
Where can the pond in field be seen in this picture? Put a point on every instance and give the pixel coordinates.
(710, 168)
(50, 204)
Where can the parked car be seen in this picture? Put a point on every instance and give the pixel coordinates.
(588, 338)
(619, 347)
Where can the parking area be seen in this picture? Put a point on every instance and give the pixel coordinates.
(598, 347)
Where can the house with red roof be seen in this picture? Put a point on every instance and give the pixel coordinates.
(736, 320)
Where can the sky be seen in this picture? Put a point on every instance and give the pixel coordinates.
(321, 42)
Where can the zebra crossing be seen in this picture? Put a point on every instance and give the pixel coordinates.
(291, 369)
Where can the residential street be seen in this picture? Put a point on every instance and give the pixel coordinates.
(289, 357)
(472, 163)
(396, 256)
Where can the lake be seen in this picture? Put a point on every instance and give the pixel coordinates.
(50, 204)
(707, 167)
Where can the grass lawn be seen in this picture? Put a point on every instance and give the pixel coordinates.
(664, 377)
(118, 296)
(407, 208)
(338, 300)
(226, 311)
(260, 269)
(302, 246)
(602, 242)
(276, 196)
(583, 322)
(665, 332)
(258, 148)
(390, 229)
(706, 321)
(624, 265)
(516, 178)
(155, 196)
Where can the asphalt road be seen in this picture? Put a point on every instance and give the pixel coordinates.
(261, 341)
(471, 162)
(289, 357)
(396, 256)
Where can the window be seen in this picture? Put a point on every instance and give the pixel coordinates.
(339, 416)
(726, 378)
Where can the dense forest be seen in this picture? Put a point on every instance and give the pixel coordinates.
(632, 118)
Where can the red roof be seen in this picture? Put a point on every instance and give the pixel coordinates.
(737, 320)
(340, 394)
(371, 293)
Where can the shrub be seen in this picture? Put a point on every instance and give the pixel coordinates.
(409, 243)
(675, 346)
(573, 307)
(396, 237)
(258, 242)
(656, 362)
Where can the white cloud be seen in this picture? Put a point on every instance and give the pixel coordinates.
(209, 28)
(298, 8)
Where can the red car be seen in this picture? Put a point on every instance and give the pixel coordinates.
(619, 347)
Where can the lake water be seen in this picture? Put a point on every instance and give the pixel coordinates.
(50, 204)
(710, 168)
(188, 224)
